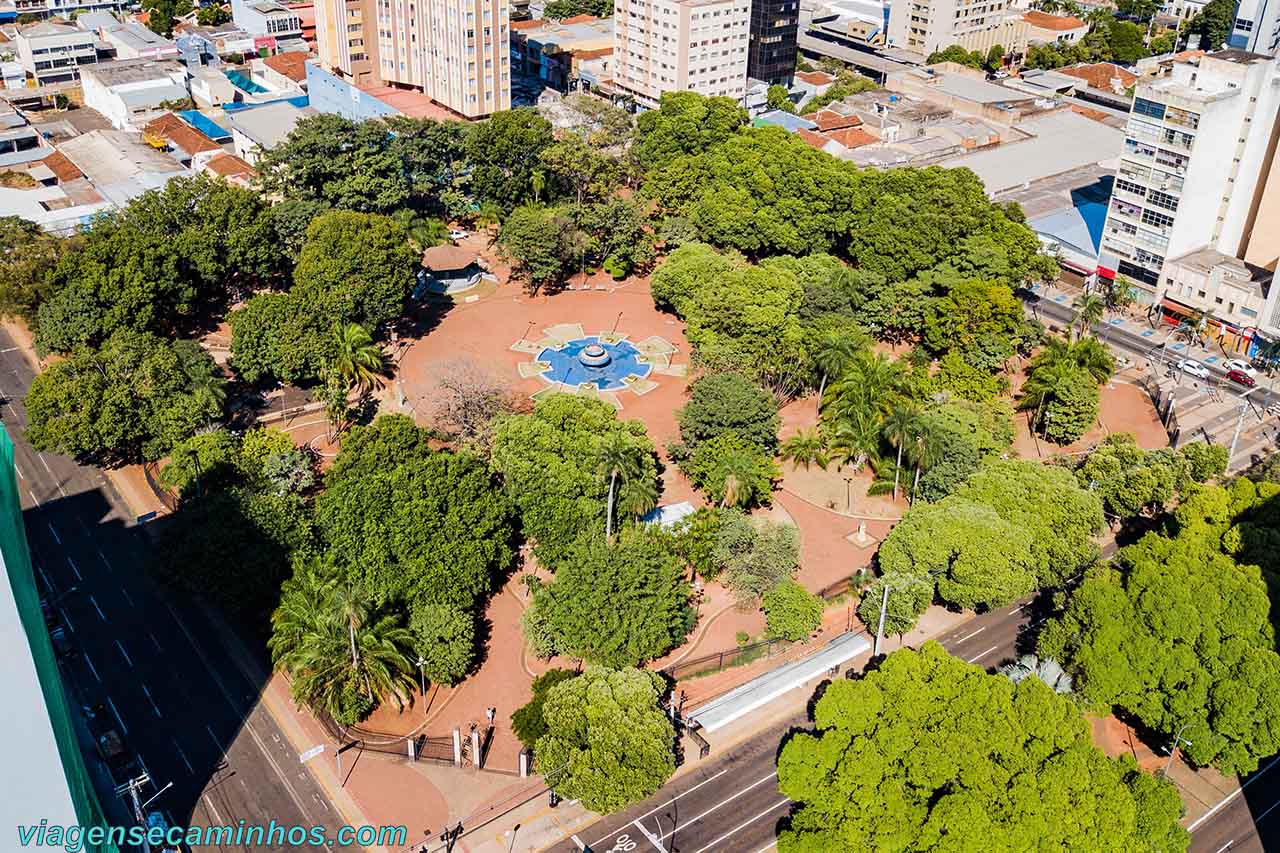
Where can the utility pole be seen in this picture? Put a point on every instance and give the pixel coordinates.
(1173, 750)
(884, 608)
(130, 788)
(1244, 407)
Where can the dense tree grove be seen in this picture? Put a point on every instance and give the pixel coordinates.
(973, 761)
(1132, 481)
(607, 741)
(1178, 630)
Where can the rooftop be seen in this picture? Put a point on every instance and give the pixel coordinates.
(409, 102)
(815, 78)
(784, 120)
(179, 134)
(48, 28)
(1243, 57)
(230, 166)
(269, 124)
(123, 71)
(292, 65)
(1061, 23)
(1102, 75)
(1244, 275)
(447, 257)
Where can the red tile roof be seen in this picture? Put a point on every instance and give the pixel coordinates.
(528, 25)
(817, 140)
(230, 166)
(180, 134)
(292, 64)
(62, 167)
(815, 78)
(832, 120)
(1045, 21)
(1100, 74)
(852, 137)
(579, 19)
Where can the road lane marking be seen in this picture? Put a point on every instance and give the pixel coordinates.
(182, 755)
(154, 707)
(727, 799)
(155, 642)
(653, 839)
(974, 634)
(784, 801)
(104, 559)
(209, 804)
(92, 668)
(74, 568)
(124, 730)
(214, 738)
(127, 659)
(48, 587)
(125, 593)
(771, 845)
(578, 842)
(94, 602)
(34, 498)
(63, 614)
(21, 476)
(1267, 812)
(60, 491)
(56, 537)
(1016, 609)
(1229, 797)
(980, 655)
(706, 781)
(1225, 846)
(44, 463)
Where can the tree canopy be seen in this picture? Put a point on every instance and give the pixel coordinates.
(1178, 631)
(608, 743)
(721, 403)
(617, 604)
(973, 761)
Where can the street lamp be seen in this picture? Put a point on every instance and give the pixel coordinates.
(848, 494)
(422, 675)
(1173, 750)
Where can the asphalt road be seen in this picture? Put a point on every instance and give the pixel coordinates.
(182, 704)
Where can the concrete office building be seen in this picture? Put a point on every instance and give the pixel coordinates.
(1256, 27)
(1191, 222)
(771, 54)
(680, 45)
(457, 52)
(925, 26)
(52, 52)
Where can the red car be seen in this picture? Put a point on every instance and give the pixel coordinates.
(1241, 378)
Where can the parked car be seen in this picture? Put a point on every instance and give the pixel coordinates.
(62, 643)
(459, 234)
(1191, 367)
(1240, 365)
(1241, 378)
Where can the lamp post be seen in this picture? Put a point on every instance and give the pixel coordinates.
(1173, 750)
(422, 675)
(848, 494)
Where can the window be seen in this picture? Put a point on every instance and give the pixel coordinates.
(1150, 217)
(1130, 187)
(1141, 106)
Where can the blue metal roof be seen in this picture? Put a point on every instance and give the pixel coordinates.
(205, 125)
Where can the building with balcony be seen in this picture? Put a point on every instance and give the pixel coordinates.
(343, 45)
(680, 45)
(557, 51)
(925, 26)
(1256, 27)
(1197, 154)
(53, 52)
(771, 51)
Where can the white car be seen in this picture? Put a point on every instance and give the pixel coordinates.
(1193, 368)
(459, 234)
(1240, 365)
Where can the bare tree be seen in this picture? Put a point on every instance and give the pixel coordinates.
(470, 398)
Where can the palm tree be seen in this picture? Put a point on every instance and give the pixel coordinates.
(423, 231)
(833, 355)
(1044, 385)
(1088, 353)
(618, 458)
(856, 439)
(737, 468)
(359, 362)
(1191, 326)
(923, 450)
(1089, 310)
(333, 646)
(805, 448)
(209, 393)
(899, 429)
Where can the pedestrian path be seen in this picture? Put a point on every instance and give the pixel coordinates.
(761, 691)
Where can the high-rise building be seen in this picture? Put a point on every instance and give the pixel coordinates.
(1196, 162)
(771, 56)
(342, 43)
(925, 26)
(457, 52)
(1256, 27)
(680, 45)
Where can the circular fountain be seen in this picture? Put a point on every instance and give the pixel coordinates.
(594, 355)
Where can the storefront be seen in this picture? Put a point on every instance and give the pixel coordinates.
(1228, 336)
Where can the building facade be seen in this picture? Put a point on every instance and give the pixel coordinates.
(680, 45)
(1191, 200)
(1256, 27)
(342, 43)
(925, 26)
(53, 52)
(771, 52)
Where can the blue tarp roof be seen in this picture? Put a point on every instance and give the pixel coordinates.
(206, 126)
(784, 120)
(301, 102)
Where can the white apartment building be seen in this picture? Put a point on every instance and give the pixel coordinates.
(456, 52)
(131, 92)
(1256, 27)
(1190, 221)
(52, 51)
(680, 45)
(925, 26)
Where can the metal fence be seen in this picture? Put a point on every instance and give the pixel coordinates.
(736, 656)
(165, 496)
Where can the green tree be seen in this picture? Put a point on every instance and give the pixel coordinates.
(732, 471)
(721, 403)
(1089, 309)
(583, 173)
(833, 356)
(549, 461)
(28, 258)
(212, 16)
(503, 152)
(909, 597)
(778, 98)
(205, 461)
(1178, 634)
(342, 657)
(624, 458)
(444, 640)
(354, 268)
(357, 360)
(1026, 751)
(685, 123)
(956, 53)
(791, 611)
(618, 604)
(608, 743)
(1213, 24)
(807, 447)
(756, 558)
(527, 721)
(540, 246)
(130, 400)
